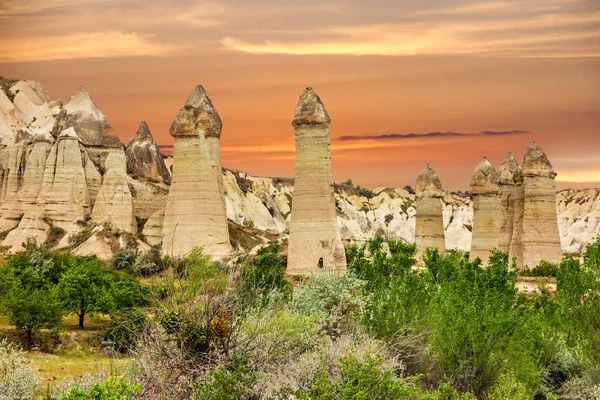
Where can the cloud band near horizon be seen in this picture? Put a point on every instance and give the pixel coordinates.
(412, 135)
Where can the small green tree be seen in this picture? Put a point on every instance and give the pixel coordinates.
(86, 288)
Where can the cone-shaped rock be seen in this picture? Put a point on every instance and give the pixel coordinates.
(487, 210)
(429, 224)
(314, 242)
(541, 239)
(195, 210)
(114, 203)
(144, 158)
(92, 127)
(509, 174)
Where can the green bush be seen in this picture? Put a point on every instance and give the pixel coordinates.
(232, 383)
(123, 259)
(543, 269)
(262, 274)
(337, 297)
(121, 334)
(111, 389)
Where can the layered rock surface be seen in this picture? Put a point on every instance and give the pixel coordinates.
(195, 210)
(314, 242)
(541, 239)
(429, 226)
(510, 180)
(487, 210)
(114, 203)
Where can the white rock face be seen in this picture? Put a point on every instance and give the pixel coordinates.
(65, 197)
(114, 203)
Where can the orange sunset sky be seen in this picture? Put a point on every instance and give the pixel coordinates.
(393, 74)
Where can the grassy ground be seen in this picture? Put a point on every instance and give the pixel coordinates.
(70, 352)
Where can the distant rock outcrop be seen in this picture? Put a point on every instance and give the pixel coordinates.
(429, 228)
(314, 242)
(144, 159)
(195, 210)
(541, 239)
(487, 210)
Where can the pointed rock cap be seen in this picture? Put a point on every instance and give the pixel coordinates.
(310, 110)
(510, 171)
(83, 103)
(536, 163)
(142, 135)
(428, 184)
(197, 116)
(484, 179)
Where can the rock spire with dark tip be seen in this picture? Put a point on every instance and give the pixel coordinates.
(484, 179)
(197, 116)
(428, 184)
(536, 163)
(144, 158)
(310, 110)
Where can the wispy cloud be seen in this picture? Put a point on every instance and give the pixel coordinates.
(400, 136)
(83, 45)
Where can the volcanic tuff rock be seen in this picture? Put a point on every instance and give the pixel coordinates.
(314, 241)
(510, 175)
(487, 210)
(114, 203)
(196, 181)
(93, 128)
(541, 239)
(429, 227)
(144, 159)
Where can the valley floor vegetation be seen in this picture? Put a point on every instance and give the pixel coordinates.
(197, 329)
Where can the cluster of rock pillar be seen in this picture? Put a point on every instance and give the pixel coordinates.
(515, 209)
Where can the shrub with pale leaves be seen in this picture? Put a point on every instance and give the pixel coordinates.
(18, 381)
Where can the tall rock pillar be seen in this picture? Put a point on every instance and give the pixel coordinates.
(509, 174)
(314, 242)
(487, 210)
(541, 239)
(429, 228)
(195, 209)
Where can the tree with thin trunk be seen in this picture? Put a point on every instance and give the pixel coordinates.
(86, 288)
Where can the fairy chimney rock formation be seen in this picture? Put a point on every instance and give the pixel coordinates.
(509, 177)
(541, 239)
(144, 158)
(195, 213)
(314, 242)
(487, 210)
(114, 203)
(429, 228)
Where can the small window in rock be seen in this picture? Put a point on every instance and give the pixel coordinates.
(320, 265)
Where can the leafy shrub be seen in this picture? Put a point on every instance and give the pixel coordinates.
(121, 334)
(111, 389)
(508, 387)
(248, 223)
(228, 384)
(336, 296)
(543, 269)
(18, 380)
(123, 259)
(262, 274)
